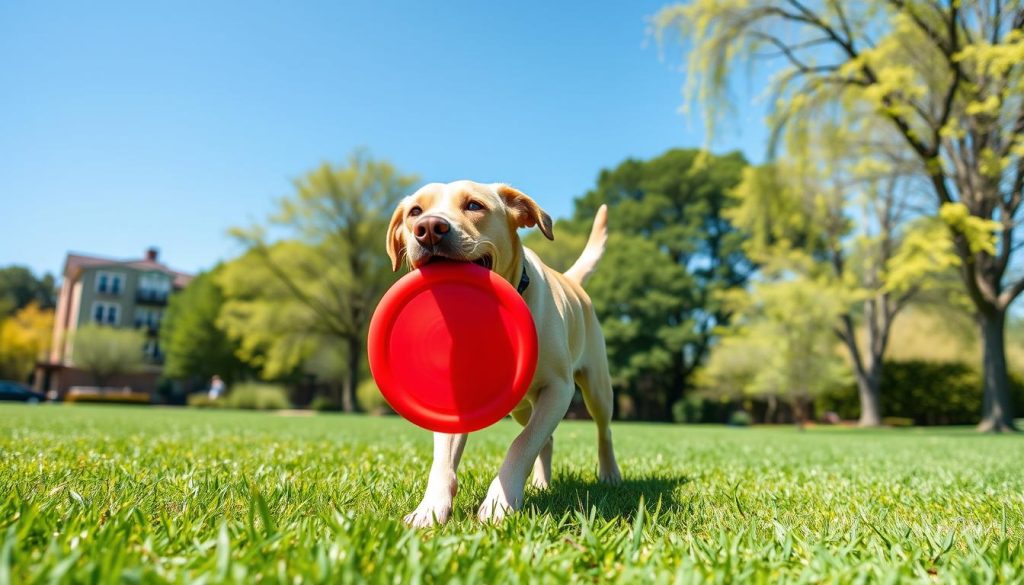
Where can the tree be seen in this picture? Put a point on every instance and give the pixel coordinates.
(19, 287)
(781, 345)
(193, 344)
(946, 80)
(106, 352)
(320, 284)
(671, 250)
(799, 218)
(24, 339)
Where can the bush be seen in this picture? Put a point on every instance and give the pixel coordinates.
(370, 398)
(256, 396)
(688, 410)
(740, 418)
(325, 404)
(203, 400)
(928, 393)
(897, 421)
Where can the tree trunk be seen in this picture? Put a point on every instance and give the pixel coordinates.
(799, 412)
(869, 388)
(351, 382)
(996, 410)
(772, 410)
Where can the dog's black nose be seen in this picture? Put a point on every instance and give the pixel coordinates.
(431, 229)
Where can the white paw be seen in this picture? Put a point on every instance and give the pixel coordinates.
(431, 511)
(539, 482)
(498, 504)
(610, 475)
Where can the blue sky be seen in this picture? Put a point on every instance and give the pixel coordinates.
(138, 124)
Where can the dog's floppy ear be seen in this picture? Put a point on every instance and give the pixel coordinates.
(396, 242)
(524, 210)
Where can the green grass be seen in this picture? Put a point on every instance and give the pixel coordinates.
(131, 494)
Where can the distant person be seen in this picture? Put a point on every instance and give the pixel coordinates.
(216, 387)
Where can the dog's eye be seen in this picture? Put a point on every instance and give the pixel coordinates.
(415, 211)
(474, 206)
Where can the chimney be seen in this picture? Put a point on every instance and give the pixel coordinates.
(151, 253)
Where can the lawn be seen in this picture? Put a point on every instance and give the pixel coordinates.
(103, 494)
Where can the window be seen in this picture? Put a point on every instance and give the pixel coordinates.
(106, 313)
(109, 282)
(146, 317)
(154, 286)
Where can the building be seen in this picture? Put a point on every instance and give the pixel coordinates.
(114, 293)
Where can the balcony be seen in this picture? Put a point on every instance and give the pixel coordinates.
(151, 327)
(150, 297)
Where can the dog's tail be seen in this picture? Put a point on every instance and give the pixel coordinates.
(584, 266)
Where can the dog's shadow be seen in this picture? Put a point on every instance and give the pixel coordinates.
(570, 493)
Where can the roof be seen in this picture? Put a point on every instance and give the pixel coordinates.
(76, 262)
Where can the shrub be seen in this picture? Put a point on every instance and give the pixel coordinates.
(257, 396)
(740, 418)
(325, 404)
(689, 410)
(370, 398)
(897, 421)
(929, 393)
(203, 400)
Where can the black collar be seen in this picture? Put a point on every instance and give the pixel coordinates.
(524, 282)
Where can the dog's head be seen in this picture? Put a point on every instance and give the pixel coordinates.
(463, 221)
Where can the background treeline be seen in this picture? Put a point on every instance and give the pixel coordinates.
(697, 324)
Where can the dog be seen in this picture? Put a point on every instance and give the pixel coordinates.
(473, 222)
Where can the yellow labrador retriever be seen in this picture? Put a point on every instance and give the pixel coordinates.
(473, 222)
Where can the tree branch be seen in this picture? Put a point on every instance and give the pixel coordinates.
(1010, 294)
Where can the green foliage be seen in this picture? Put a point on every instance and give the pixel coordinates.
(940, 86)
(370, 398)
(203, 400)
(182, 495)
(19, 287)
(670, 252)
(193, 344)
(325, 404)
(256, 396)
(316, 287)
(782, 344)
(24, 339)
(740, 418)
(928, 393)
(105, 351)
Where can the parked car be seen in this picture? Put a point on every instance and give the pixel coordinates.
(18, 392)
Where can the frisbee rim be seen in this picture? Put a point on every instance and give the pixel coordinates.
(523, 336)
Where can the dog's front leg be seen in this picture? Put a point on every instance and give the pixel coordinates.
(436, 506)
(506, 492)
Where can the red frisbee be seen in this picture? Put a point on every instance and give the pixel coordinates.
(453, 347)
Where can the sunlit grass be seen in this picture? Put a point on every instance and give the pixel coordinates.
(100, 494)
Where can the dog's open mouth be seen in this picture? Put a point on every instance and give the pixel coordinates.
(486, 261)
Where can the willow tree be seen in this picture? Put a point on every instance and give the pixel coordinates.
(800, 217)
(315, 288)
(946, 79)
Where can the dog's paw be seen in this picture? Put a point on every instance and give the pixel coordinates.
(610, 476)
(539, 482)
(497, 505)
(494, 511)
(429, 513)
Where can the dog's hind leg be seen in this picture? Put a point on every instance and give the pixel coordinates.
(442, 484)
(541, 478)
(596, 386)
